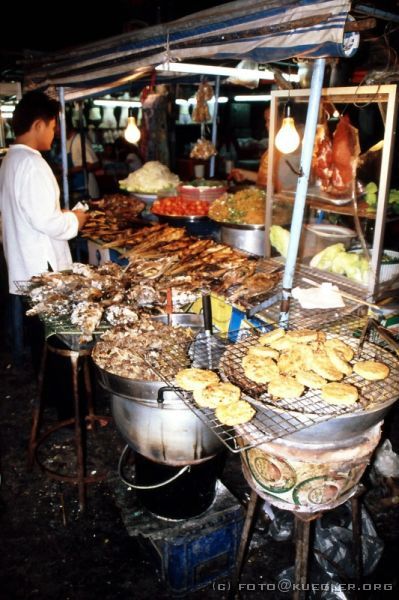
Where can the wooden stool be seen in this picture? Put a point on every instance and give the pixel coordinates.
(79, 478)
(302, 537)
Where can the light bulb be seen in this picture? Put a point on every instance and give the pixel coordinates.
(132, 132)
(287, 139)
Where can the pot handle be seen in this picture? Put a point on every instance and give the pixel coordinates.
(147, 487)
(161, 391)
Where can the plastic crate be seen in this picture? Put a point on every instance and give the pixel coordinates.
(204, 550)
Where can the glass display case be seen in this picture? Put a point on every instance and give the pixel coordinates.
(368, 221)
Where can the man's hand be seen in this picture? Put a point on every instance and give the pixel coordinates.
(236, 175)
(82, 217)
(240, 175)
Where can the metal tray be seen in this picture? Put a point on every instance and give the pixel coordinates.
(180, 219)
(315, 193)
(145, 197)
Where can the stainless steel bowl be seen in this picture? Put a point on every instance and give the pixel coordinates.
(155, 422)
(250, 238)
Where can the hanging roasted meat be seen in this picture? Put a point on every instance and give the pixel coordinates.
(345, 155)
(322, 156)
(335, 161)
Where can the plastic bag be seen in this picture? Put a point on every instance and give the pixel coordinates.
(282, 526)
(334, 543)
(386, 462)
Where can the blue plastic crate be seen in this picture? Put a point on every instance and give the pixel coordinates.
(204, 551)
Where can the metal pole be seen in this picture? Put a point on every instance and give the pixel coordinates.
(83, 150)
(214, 125)
(64, 158)
(302, 185)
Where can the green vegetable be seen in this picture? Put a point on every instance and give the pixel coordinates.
(323, 260)
(336, 260)
(279, 239)
(371, 199)
(371, 188)
(339, 263)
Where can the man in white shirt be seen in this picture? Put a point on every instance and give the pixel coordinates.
(35, 229)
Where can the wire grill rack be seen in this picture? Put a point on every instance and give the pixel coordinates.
(60, 324)
(308, 318)
(278, 418)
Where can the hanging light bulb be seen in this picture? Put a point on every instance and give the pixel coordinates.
(287, 139)
(132, 132)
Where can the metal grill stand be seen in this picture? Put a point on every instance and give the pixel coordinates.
(303, 523)
(80, 478)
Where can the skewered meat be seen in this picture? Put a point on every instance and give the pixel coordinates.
(120, 350)
(87, 316)
(259, 283)
(116, 314)
(54, 304)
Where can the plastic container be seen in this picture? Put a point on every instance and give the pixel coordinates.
(317, 236)
(201, 192)
(389, 271)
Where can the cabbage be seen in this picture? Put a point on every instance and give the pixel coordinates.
(279, 239)
(151, 178)
(339, 263)
(336, 260)
(324, 259)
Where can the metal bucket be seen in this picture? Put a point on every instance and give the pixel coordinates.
(250, 238)
(155, 422)
(302, 478)
(190, 494)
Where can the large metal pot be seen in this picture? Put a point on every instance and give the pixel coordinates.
(155, 422)
(250, 238)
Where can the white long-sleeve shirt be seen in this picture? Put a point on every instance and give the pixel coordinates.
(35, 230)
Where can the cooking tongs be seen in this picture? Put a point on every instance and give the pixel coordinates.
(382, 332)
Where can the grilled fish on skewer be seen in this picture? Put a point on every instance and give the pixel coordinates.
(259, 283)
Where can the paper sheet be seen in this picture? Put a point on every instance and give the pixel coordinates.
(325, 296)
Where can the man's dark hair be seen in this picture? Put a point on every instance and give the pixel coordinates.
(33, 106)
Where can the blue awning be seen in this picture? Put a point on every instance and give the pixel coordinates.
(263, 30)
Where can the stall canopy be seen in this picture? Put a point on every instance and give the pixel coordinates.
(263, 30)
